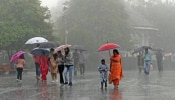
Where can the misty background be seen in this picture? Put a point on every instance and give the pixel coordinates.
(91, 23)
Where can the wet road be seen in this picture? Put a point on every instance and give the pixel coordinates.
(134, 86)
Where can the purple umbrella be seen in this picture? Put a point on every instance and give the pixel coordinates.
(16, 56)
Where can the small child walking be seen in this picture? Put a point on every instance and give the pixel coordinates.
(103, 69)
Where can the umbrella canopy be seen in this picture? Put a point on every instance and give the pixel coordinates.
(36, 40)
(142, 48)
(38, 51)
(158, 49)
(16, 56)
(78, 47)
(61, 47)
(50, 44)
(108, 46)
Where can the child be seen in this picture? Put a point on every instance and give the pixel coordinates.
(103, 69)
(19, 67)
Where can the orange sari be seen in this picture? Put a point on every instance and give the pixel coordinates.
(116, 72)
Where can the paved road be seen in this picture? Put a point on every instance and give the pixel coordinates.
(134, 86)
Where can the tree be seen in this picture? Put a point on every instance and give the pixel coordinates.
(21, 20)
(94, 22)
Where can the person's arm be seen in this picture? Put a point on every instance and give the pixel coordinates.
(99, 68)
(69, 57)
(107, 68)
(24, 63)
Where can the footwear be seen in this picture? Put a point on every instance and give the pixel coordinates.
(17, 80)
(115, 87)
(56, 80)
(61, 82)
(66, 83)
(52, 81)
(105, 84)
(38, 78)
(101, 85)
(70, 84)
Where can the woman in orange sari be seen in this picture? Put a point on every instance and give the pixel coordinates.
(115, 69)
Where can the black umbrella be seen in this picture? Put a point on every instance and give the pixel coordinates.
(142, 48)
(50, 44)
(78, 47)
(38, 51)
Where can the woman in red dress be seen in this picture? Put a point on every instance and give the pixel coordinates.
(44, 67)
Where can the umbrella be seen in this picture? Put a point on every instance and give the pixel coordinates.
(78, 47)
(157, 49)
(38, 51)
(108, 46)
(49, 44)
(16, 56)
(61, 47)
(142, 48)
(36, 40)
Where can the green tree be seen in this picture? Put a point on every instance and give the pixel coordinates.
(21, 20)
(93, 22)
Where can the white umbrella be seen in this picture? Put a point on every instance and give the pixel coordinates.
(61, 47)
(35, 40)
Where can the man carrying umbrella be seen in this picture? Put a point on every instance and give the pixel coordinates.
(81, 63)
(159, 57)
(147, 61)
(75, 58)
(37, 66)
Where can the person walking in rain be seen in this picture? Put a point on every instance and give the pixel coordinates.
(116, 72)
(159, 57)
(37, 66)
(19, 67)
(103, 69)
(81, 63)
(68, 60)
(140, 61)
(60, 62)
(53, 66)
(44, 67)
(147, 61)
(75, 59)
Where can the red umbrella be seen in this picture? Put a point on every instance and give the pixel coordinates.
(108, 46)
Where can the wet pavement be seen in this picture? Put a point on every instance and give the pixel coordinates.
(134, 86)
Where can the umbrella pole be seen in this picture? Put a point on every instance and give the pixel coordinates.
(109, 53)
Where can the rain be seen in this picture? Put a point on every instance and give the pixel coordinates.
(87, 49)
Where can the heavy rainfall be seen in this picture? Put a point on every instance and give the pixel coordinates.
(87, 50)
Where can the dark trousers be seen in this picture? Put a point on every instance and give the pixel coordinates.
(37, 66)
(160, 65)
(19, 73)
(82, 68)
(61, 69)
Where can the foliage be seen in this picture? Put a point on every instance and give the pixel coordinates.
(93, 22)
(21, 20)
